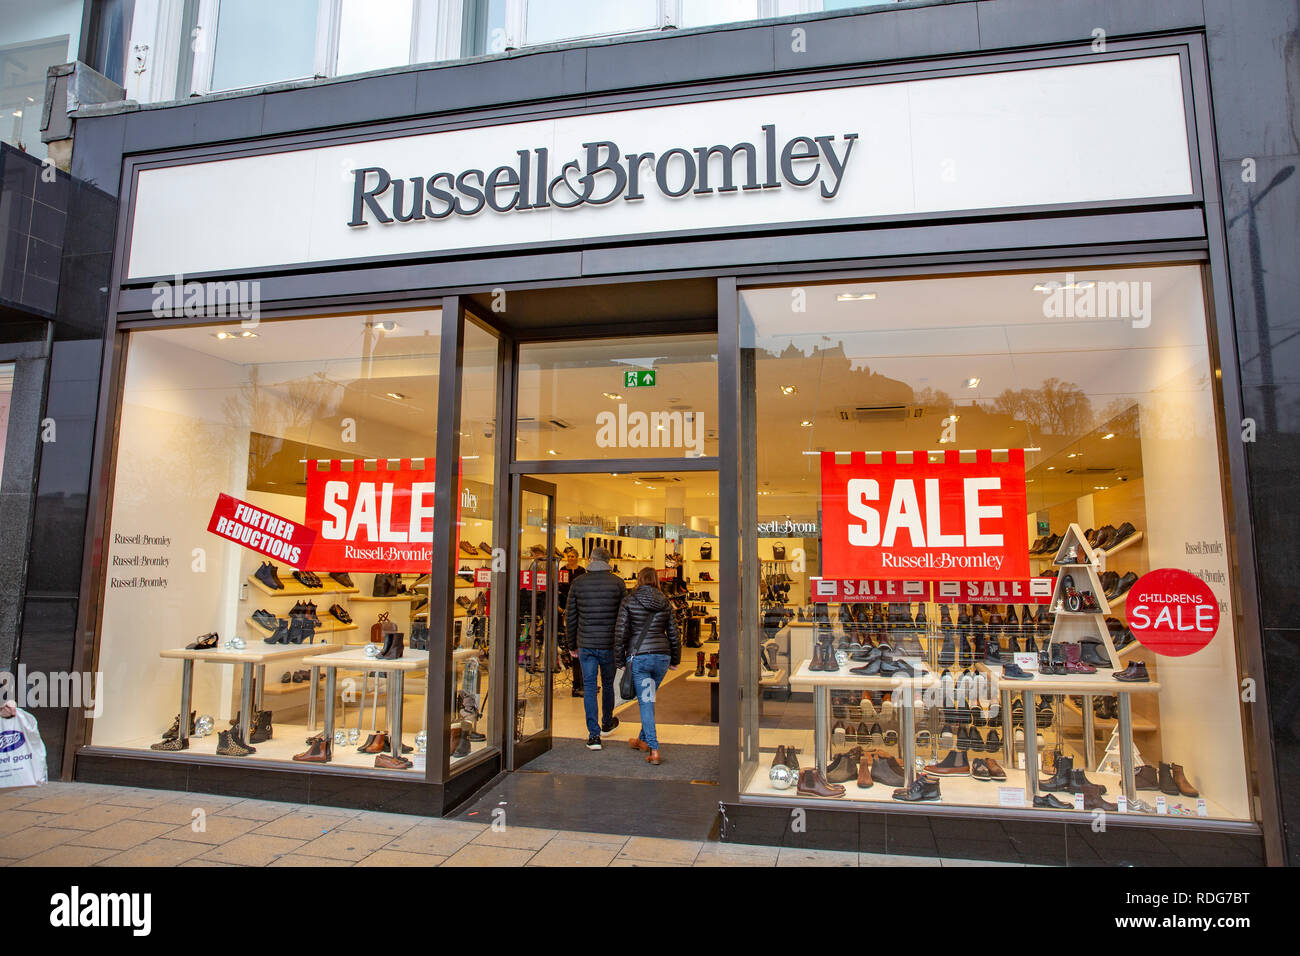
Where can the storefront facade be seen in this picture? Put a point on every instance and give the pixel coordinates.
(844, 270)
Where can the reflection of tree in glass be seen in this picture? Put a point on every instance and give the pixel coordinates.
(1054, 408)
(278, 411)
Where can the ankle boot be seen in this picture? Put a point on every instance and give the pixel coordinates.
(1074, 663)
(713, 665)
(813, 784)
(321, 750)
(261, 727)
(393, 646)
(699, 664)
(1184, 785)
(1059, 781)
(459, 742)
(1079, 781)
(230, 743)
(993, 651)
(1092, 798)
(377, 744)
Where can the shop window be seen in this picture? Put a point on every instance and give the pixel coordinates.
(573, 19)
(648, 397)
(6, 400)
(256, 43)
(272, 506)
(891, 617)
(703, 13)
(374, 34)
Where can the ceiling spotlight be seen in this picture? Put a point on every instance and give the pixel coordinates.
(788, 389)
(1100, 487)
(1051, 468)
(805, 424)
(222, 336)
(1073, 454)
(1104, 437)
(551, 451)
(388, 326)
(397, 395)
(972, 383)
(1033, 448)
(248, 334)
(612, 397)
(855, 297)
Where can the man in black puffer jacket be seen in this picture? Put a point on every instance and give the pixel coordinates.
(589, 616)
(646, 639)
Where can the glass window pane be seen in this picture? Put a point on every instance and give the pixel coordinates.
(6, 399)
(483, 27)
(1103, 380)
(702, 13)
(374, 34)
(260, 42)
(219, 419)
(653, 397)
(550, 22)
(33, 37)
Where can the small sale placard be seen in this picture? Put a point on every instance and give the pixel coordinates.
(1172, 612)
(925, 520)
(262, 531)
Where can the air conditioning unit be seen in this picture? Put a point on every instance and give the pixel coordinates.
(879, 414)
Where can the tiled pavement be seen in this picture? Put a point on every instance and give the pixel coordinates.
(81, 824)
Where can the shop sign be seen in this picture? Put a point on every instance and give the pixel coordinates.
(1172, 612)
(786, 528)
(643, 379)
(482, 577)
(526, 579)
(371, 520)
(259, 530)
(832, 591)
(1031, 591)
(925, 520)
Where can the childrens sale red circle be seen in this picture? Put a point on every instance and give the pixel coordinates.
(1172, 612)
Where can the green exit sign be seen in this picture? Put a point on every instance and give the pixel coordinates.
(635, 379)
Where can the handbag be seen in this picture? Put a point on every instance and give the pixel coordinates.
(706, 551)
(626, 685)
(388, 585)
(381, 627)
(778, 552)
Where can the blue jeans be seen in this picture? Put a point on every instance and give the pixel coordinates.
(597, 662)
(648, 672)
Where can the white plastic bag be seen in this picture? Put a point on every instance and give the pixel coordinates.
(22, 752)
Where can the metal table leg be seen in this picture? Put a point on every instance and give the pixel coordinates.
(820, 723)
(311, 699)
(1089, 734)
(330, 686)
(1031, 746)
(260, 684)
(187, 692)
(1008, 732)
(1126, 746)
(246, 700)
(395, 710)
(907, 748)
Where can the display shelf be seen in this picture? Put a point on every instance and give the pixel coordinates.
(322, 629)
(395, 597)
(293, 589)
(1116, 602)
(777, 677)
(843, 678)
(1141, 725)
(1094, 684)
(1132, 539)
(255, 653)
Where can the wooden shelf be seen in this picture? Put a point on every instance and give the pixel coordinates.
(396, 597)
(293, 589)
(1132, 539)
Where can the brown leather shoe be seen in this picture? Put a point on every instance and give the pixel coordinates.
(653, 757)
(995, 769)
(320, 751)
(389, 762)
(864, 772)
(1093, 800)
(638, 744)
(813, 784)
(365, 747)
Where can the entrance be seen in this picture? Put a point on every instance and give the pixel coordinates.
(658, 520)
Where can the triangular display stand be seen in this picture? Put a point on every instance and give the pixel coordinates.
(1082, 565)
(1110, 759)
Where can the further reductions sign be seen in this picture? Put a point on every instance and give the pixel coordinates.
(371, 520)
(1172, 612)
(924, 520)
(258, 530)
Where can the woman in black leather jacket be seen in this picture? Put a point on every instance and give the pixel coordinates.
(646, 640)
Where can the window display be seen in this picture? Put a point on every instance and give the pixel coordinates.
(974, 475)
(273, 494)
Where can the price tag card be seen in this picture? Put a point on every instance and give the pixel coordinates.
(1078, 801)
(1026, 662)
(1201, 809)
(1011, 796)
(1122, 803)
(1162, 805)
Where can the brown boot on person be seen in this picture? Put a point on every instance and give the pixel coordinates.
(638, 744)
(653, 757)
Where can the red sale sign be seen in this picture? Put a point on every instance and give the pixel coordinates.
(377, 519)
(831, 591)
(925, 520)
(1032, 591)
(1172, 612)
(259, 530)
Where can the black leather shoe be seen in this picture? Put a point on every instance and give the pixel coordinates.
(948, 653)
(266, 573)
(993, 743)
(923, 789)
(1135, 673)
(1123, 532)
(1122, 585)
(1090, 652)
(343, 578)
(264, 619)
(1079, 781)
(1011, 672)
(1047, 801)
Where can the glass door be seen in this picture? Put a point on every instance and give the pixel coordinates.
(533, 619)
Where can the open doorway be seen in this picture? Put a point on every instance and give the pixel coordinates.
(661, 520)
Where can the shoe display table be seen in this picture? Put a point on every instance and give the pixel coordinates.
(257, 654)
(1088, 686)
(775, 679)
(356, 659)
(821, 683)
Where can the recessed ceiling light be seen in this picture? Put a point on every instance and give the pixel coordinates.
(551, 451)
(1104, 437)
(247, 334)
(1033, 448)
(612, 397)
(789, 389)
(805, 424)
(1100, 487)
(397, 395)
(387, 326)
(1073, 454)
(222, 336)
(972, 383)
(1054, 286)
(1051, 468)
(855, 297)
(469, 457)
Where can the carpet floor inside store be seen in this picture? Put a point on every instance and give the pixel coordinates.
(681, 762)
